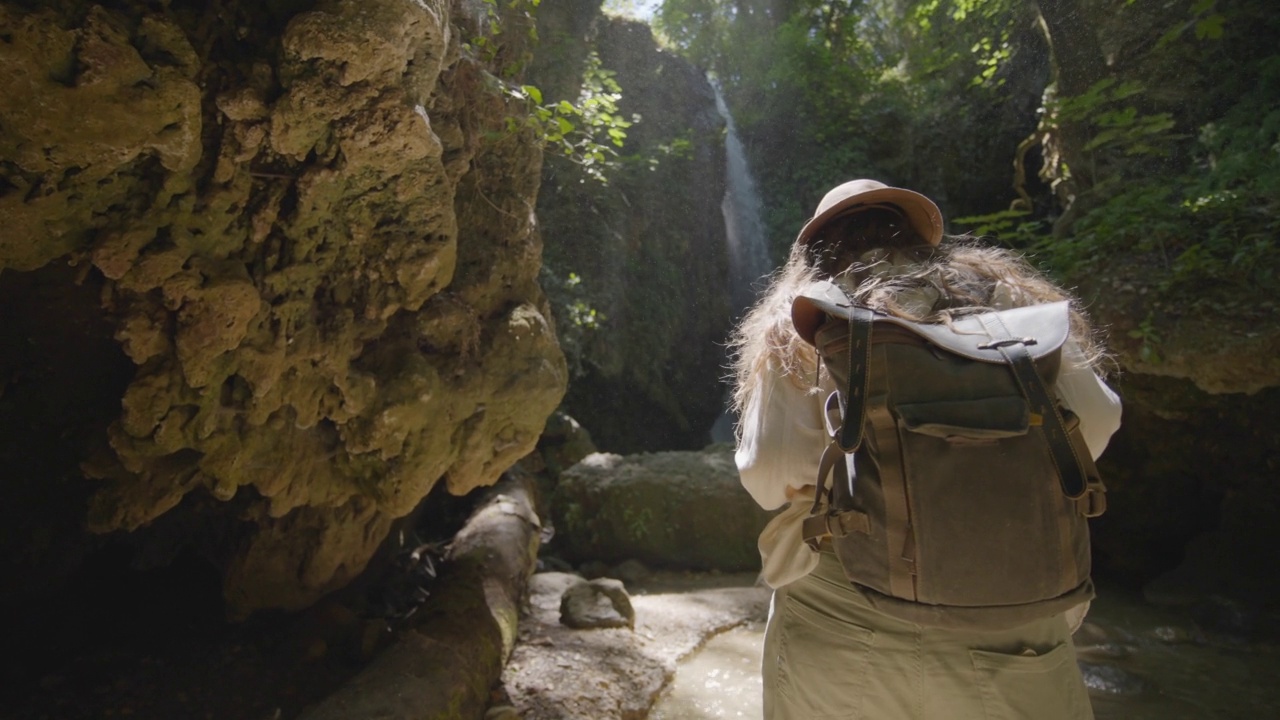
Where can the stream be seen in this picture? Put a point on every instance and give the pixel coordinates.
(1141, 662)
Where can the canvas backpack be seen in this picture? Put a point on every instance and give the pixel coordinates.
(960, 487)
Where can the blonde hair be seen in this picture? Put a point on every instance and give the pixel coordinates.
(964, 275)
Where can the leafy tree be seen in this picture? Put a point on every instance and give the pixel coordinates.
(1166, 143)
(902, 90)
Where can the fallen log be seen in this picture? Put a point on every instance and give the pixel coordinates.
(445, 666)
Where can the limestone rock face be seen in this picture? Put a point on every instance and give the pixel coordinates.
(312, 234)
(1220, 353)
(668, 509)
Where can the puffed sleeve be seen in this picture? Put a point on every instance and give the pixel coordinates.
(1085, 394)
(781, 441)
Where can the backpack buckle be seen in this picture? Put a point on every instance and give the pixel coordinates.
(819, 529)
(1093, 503)
(815, 530)
(1005, 342)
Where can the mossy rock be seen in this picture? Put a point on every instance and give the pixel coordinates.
(671, 509)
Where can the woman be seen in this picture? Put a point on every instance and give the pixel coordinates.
(828, 652)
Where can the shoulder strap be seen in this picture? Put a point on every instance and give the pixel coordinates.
(1071, 474)
(855, 396)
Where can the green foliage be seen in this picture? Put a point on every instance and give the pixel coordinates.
(1107, 108)
(1015, 228)
(487, 43)
(680, 147)
(581, 314)
(1205, 21)
(822, 92)
(637, 521)
(588, 131)
(1179, 139)
(1147, 334)
(1187, 215)
(1211, 226)
(577, 317)
(984, 25)
(585, 131)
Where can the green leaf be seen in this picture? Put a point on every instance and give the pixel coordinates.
(1102, 138)
(1210, 28)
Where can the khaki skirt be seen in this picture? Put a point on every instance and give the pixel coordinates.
(829, 654)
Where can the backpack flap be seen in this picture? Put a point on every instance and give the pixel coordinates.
(1042, 329)
(810, 310)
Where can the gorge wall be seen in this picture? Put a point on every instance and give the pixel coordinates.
(1170, 235)
(268, 275)
(639, 266)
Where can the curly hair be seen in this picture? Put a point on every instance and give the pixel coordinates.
(885, 267)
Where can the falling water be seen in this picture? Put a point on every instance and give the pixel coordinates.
(748, 255)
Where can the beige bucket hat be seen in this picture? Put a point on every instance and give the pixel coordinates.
(921, 213)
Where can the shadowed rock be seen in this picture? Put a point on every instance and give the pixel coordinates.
(310, 232)
(673, 509)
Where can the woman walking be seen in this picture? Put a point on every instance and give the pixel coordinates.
(837, 644)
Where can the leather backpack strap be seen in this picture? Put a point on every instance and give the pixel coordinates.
(844, 424)
(855, 396)
(1094, 501)
(822, 523)
(814, 528)
(1066, 459)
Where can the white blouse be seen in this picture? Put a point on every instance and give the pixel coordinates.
(783, 438)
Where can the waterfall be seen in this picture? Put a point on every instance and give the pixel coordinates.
(748, 253)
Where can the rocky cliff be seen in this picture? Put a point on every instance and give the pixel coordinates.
(646, 251)
(269, 275)
(1170, 237)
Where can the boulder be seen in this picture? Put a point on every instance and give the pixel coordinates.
(669, 509)
(600, 603)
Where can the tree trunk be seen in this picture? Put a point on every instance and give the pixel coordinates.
(1077, 56)
(446, 665)
(1078, 63)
